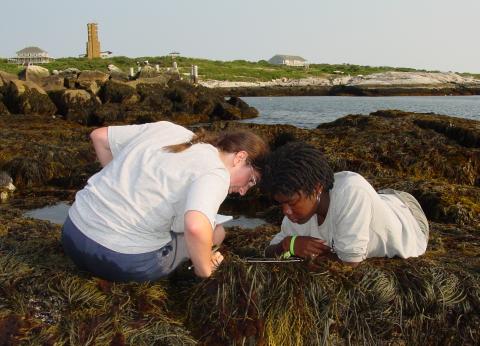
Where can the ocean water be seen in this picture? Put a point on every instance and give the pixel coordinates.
(309, 111)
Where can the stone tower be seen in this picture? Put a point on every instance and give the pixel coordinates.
(93, 45)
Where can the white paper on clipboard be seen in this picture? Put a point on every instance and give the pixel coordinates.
(219, 219)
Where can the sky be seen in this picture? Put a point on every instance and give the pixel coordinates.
(425, 34)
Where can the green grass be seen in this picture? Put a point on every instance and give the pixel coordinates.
(236, 70)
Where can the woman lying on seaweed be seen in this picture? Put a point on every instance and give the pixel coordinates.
(338, 216)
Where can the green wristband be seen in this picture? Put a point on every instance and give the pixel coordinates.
(292, 245)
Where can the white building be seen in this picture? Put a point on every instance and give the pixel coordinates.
(288, 60)
(31, 55)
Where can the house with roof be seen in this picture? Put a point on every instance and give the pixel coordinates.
(288, 60)
(31, 55)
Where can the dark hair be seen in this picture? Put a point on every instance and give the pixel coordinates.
(295, 167)
(230, 141)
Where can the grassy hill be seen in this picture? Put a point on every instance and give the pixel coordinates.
(237, 70)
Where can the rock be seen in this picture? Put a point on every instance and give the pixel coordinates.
(113, 68)
(119, 76)
(52, 83)
(23, 97)
(33, 73)
(147, 71)
(77, 105)
(5, 79)
(70, 81)
(6, 186)
(71, 71)
(91, 80)
(119, 92)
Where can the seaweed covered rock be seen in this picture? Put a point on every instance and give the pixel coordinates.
(246, 110)
(399, 302)
(77, 105)
(3, 108)
(109, 113)
(23, 97)
(148, 71)
(71, 307)
(118, 92)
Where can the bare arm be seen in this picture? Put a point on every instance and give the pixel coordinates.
(99, 139)
(199, 241)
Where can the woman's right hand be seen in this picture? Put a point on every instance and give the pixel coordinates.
(216, 260)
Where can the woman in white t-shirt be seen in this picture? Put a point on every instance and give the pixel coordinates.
(338, 216)
(153, 204)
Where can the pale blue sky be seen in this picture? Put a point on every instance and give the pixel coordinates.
(431, 34)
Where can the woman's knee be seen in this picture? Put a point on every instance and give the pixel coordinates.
(218, 235)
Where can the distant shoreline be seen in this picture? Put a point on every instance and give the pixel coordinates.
(350, 91)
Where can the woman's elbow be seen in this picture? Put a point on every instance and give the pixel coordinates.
(100, 136)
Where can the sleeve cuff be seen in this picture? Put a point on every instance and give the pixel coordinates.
(348, 257)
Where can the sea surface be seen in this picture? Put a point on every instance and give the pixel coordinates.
(309, 111)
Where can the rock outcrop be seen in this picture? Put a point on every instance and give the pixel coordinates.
(152, 96)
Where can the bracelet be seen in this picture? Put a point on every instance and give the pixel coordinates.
(292, 245)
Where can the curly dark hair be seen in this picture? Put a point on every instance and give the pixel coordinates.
(295, 167)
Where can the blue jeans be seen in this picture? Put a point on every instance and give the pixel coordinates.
(90, 256)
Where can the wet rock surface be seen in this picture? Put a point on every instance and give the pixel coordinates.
(436, 158)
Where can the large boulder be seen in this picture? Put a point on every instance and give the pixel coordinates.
(91, 80)
(23, 97)
(52, 83)
(33, 73)
(77, 105)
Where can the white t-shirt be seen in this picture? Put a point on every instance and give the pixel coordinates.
(361, 223)
(133, 203)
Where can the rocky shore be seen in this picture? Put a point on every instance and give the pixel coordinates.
(95, 98)
(378, 84)
(44, 299)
